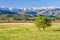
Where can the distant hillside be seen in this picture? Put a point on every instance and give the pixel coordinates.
(32, 11)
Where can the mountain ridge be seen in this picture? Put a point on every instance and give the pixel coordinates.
(49, 11)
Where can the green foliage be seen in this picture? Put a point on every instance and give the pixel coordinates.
(19, 17)
(58, 17)
(42, 22)
(24, 17)
(3, 17)
(16, 17)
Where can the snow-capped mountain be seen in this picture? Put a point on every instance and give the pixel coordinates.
(49, 11)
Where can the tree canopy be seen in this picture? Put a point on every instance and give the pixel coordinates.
(42, 22)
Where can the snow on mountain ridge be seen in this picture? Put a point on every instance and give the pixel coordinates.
(40, 10)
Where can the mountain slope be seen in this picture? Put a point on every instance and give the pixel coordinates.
(33, 11)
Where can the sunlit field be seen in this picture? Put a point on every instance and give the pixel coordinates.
(28, 31)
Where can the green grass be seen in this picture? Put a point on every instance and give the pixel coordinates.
(54, 27)
(29, 35)
(28, 31)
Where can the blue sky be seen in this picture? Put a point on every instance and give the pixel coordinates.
(29, 3)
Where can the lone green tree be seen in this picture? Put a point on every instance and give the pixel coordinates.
(42, 22)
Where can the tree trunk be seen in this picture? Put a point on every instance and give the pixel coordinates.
(43, 28)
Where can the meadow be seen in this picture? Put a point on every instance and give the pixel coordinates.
(28, 31)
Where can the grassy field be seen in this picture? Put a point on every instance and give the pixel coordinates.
(28, 31)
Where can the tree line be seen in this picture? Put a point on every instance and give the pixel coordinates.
(22, 17)
(18, 17)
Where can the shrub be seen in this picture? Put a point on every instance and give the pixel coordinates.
(42, 22)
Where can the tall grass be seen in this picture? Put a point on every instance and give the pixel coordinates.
(27, 31)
